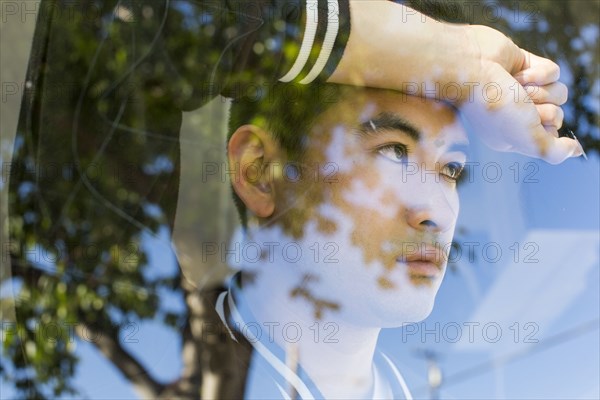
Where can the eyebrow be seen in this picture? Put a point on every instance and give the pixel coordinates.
(387, 121)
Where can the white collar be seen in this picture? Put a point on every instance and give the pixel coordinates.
(300, 387)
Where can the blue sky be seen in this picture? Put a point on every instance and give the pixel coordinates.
(559, 210)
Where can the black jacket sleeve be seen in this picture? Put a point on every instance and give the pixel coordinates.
(254, 43)
(198, 49)
(107, 81)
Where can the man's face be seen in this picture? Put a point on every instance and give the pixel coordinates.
(376, 206)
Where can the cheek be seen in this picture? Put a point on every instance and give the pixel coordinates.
(453, 201)
(296, 204)
(373, 213)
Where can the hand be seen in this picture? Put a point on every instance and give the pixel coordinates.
(539, 78)
(394, 47)
(523, 114)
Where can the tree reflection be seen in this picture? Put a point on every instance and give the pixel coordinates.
(96, 166)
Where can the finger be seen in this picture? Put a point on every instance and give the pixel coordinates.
(545, 144)
(550, 115)
(552, 130)
(559, 149)
(515, 124)
(537, 70)
(555, 93)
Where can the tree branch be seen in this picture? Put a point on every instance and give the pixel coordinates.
(129, 366)
(190, 383)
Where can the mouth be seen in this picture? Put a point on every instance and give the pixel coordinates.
(423, 269)
(424, 265)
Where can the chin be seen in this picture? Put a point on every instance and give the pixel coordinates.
(392, 310)
(411, 303)
(408, 316)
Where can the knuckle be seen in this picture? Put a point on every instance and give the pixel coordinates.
(553, 115)
(558, 119)
(555, 69)
(564, 94)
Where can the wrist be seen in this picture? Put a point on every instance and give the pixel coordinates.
(463, 59)
(490, 45)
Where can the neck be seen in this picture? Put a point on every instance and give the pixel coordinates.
(335, 353)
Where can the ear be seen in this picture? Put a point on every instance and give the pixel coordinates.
(251, 151)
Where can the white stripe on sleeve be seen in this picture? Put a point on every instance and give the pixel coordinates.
(330, 35)
(307, 41)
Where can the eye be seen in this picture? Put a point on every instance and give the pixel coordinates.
(453, 170)
(396, 152)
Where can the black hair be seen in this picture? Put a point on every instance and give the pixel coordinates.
(287, 112)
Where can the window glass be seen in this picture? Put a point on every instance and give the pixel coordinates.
(178, 222)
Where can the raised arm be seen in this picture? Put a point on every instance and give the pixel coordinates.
(477, 68)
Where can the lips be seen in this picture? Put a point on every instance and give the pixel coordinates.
(426, 262)
(423, 268)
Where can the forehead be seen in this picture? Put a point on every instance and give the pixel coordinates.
(433, 119)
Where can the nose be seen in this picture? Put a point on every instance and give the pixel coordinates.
(421, 218)
(432, 209)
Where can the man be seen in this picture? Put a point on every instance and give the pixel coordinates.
(349, 202)
(131, 70)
